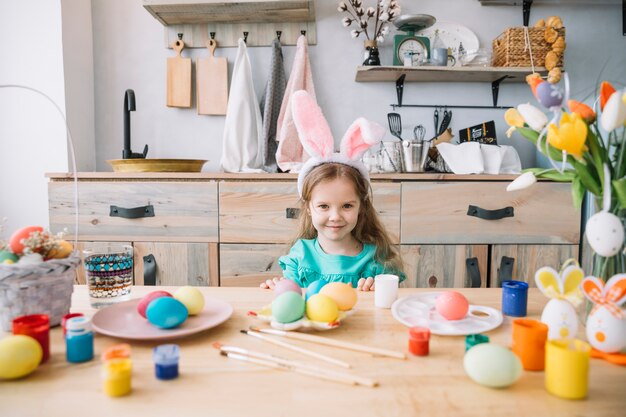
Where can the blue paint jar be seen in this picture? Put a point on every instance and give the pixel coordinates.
(166, 361)
(514, 298)
(78, 340)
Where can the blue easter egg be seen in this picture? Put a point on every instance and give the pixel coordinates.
(549, 95)
(166, 312)
(315, 287)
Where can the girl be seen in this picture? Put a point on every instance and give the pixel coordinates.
(340, 237)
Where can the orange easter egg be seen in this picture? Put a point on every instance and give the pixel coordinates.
(15, 241)
(62, 250)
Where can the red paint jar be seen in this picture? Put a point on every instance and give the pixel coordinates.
(66, 318)
(36, 326)
(419, 339)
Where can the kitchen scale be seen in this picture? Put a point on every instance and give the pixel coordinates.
(410, 43)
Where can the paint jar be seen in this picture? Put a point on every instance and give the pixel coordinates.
(567, 368)
(66, 318)
(36, 326)
(79, 340)
(166, 361)
(419, 340)
(514, 298)
(385, 290)
(116, 377)
(529, 343)
(472, 340)
(121, 350)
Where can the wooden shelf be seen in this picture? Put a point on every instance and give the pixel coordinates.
(445, 74)
(176, 12)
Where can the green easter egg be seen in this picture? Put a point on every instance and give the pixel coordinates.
(288, 307)
(5, 256)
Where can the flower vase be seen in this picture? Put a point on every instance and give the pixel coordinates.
(371, 53)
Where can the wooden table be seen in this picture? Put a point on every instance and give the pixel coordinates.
(212, 385)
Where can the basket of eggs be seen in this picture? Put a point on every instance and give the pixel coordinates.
(321, 306)
(37, 271)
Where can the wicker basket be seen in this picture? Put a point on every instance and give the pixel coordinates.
(44, 288)
(509, 49)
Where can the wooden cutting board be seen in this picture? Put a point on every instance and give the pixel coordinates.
(212, 82)
(178, 78)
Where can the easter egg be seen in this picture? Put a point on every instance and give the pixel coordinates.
(15, 241)
(166, 312)
(343, 294)
(7, 257)
(452, 305)
(605, 233)
(191, 297)
(143, 303)
(285, 285)
(61, 250)
(322, 308)
(315, 287)
(288, 307)
(19, 356)
(492, 365)
(549, 95)
(30, 259)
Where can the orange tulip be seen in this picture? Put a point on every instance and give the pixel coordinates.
(606, 91)
(582, 110)
(534, 80)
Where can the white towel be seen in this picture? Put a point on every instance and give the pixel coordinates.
(465, 158)
(290, 155)
(243, 127)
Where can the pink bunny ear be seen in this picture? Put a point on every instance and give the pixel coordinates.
(615, 289)
(360, 136)
(312, 127)
(592, 288)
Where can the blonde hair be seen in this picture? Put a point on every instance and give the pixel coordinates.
(368, 229)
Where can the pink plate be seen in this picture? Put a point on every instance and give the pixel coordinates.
(122, 320)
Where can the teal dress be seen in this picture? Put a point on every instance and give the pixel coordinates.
(307, 262)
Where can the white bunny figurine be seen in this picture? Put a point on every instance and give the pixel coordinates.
(606, 324)
(564, 291)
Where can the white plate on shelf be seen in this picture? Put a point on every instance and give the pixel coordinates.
(419, 310)
(452, 34)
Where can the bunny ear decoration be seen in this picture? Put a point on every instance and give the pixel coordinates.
(571, 279)
(609, 296)
(592, 288)
(615, 289)
(313, 130)
(547, 280)
(360, 136)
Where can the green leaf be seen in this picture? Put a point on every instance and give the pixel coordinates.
(620, 190)
(597, 153)
(578, 192)
(554, 175)
(586, 178)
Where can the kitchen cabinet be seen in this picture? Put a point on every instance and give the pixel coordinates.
(229, 229)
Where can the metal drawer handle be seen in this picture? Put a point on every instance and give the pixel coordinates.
(149, 270)
(473, 272)
(490, 214)
(132, 213)
(505, 273)
(292, 213)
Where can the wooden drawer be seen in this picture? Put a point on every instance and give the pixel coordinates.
(183, 211)
(256, 212)
(437, 212)
(246, 265)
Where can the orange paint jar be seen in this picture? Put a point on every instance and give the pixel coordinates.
(529, 343)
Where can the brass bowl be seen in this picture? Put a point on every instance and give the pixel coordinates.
(157, 165)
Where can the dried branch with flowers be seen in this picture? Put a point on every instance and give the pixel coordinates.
(385, 11)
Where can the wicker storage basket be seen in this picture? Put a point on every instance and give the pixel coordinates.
(509, 49)
(44, 288)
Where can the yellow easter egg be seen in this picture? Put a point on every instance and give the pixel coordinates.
(343, 294)
(191, 297)
(62, 250)
(322, 308)
(19, 356)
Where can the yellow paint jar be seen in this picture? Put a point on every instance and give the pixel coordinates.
(567, 368)
(116, 375)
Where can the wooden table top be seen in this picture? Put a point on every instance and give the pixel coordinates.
(212, 385)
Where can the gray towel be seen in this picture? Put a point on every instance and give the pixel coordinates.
(270, 106)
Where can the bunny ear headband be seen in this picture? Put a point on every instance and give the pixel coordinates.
(318, 142)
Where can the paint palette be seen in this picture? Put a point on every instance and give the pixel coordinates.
(265, 314)
(419, 310)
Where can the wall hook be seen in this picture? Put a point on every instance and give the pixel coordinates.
(303, 32)
(278, 34)
(245, 37)
(212, 35)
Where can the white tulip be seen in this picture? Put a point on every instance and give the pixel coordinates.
(614, 113)
(533, 117)
(523, 181)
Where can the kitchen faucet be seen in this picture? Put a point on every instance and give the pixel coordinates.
(129, 105)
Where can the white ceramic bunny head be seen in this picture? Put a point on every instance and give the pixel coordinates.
(317, 140)
(606, 324)
(563, 289)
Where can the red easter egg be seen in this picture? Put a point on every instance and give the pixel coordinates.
(452, 305)
(15, 240)
(143, 303)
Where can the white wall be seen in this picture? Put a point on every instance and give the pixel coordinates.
(32, 133)
(129, 52)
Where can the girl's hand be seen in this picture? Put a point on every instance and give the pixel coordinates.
(270, 284)
(366, 284)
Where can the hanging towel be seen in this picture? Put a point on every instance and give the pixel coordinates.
(243, 125)
(270, 106)
(290, 155)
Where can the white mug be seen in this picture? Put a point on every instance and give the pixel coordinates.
(385, 290)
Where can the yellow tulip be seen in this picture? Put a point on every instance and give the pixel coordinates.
(570, 136)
